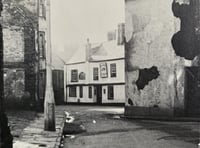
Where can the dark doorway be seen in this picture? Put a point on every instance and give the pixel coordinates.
(98, 93)
(58, 86)
(192, 91)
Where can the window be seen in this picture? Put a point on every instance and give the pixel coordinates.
(81, 91)
(74, 75)
(42, 11)
(72, 91)
(110, 93)
(42, 44)
(113, 71)
(95, 73)
(90, 92)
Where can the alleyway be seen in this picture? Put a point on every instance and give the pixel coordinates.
(106, 130)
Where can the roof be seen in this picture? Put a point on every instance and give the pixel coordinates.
(102, 51)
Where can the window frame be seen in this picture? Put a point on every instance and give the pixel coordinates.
(90, 92)
(42, 45)
(113, 70)
(110, 92)
(74, 94)
(74, 76)
(81, 91)
(42, 9)
(95, 73)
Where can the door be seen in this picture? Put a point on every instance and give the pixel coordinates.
(192, 91)
(98, 94)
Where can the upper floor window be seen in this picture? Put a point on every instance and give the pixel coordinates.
(95, 73)
(42, 44)
(113, 70)
(42, 10)
(74, 75)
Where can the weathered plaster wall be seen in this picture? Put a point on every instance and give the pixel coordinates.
(13, 44)
(150, 25)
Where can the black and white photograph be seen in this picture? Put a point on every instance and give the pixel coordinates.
(99, 73)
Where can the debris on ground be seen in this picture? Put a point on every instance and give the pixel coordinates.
(94, 121)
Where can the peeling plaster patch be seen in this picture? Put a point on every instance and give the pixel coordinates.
(130, 102)
(146, 75)
(185, 42)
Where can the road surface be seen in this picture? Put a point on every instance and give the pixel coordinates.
(106, 130)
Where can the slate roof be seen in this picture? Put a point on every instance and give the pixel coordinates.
(103, 51)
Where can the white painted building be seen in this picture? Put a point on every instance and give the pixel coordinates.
(96, 72)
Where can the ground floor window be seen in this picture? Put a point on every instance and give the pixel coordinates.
(81, 91)
(90, 92)
(110, 92)
(72, 91)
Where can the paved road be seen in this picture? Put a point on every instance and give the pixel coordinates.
(106, 130)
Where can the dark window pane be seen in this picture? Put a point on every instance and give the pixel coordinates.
(74, 76)
(81, 91)
(90, 92)
(110, 93)
(95, 73)
(113, 70)
(72, 91)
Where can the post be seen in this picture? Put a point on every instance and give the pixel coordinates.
(5, 135)
(49, 102)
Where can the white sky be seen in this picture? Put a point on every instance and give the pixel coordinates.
(73, 21)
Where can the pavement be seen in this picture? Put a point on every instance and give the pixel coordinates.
(30, 132)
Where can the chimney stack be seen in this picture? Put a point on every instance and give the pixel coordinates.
(121, 34)
(88, 50)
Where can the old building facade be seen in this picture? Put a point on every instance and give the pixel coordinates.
(24, 49)
(95, 74)
(162, 58)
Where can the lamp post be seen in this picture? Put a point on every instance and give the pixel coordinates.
(5, 135)
(49, 102)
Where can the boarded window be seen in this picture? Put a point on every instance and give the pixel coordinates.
(113, 70)
(110, 93)
(74, 75)
(72, 91)
(81, 91)
(42, 44)
(90, 92)
(95, 73)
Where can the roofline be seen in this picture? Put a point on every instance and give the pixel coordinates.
(96, 61)
(75, 63)
(116, 59)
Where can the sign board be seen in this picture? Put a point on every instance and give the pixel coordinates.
(103, 70)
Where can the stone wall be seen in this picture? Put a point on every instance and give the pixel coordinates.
(13, 44)
(154, 73)
(20, 26)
